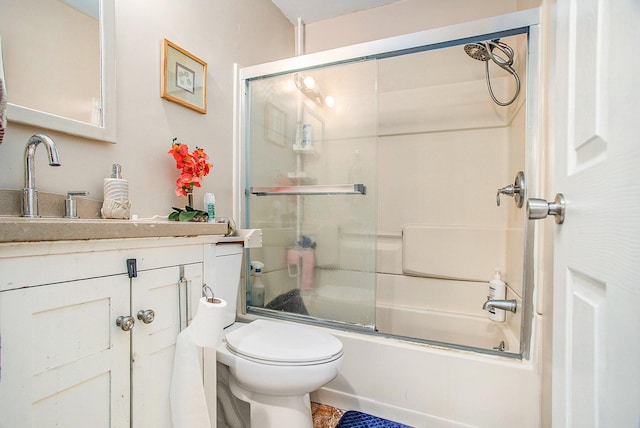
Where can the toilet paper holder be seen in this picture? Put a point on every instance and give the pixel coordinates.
(208, 293)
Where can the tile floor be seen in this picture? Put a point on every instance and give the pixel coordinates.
(325, 416)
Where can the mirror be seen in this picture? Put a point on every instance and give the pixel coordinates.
(61, 76)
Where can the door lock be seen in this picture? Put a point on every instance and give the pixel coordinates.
(539, 208)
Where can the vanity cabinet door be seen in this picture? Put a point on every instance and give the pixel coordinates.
(153, 344)
(64, 362)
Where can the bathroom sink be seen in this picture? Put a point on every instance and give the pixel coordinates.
(23, 229)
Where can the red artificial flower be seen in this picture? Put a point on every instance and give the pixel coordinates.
(194, 166)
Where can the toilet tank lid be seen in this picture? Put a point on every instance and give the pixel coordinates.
(282, 342)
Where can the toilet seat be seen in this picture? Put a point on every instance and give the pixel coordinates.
(279, 343)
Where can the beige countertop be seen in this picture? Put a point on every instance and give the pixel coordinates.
(53, 227)
(21, 229)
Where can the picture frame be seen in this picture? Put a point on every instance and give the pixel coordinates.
(183, 77)
(275, 124)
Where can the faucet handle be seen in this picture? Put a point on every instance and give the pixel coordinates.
(70, 209)
(516, 190)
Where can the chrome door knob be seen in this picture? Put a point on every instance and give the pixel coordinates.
(126, 323)
(539, 208)
(146, 316)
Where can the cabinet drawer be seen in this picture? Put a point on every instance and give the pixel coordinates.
(36, 270)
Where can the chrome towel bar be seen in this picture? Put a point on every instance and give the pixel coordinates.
(319, 189)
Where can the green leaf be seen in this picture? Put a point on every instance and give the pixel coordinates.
(187, 215)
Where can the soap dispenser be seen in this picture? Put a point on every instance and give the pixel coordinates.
(257, 286)
(116, 202)
(497, 291)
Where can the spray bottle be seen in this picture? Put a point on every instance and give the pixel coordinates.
(210, 207)
(257, 286)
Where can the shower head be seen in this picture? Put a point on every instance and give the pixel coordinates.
(484, 51)
(477, 51)
(503, 57)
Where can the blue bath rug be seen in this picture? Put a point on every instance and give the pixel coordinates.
(353, 419)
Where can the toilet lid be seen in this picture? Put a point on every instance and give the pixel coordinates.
(274, 342)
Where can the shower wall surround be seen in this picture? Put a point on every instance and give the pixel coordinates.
(446, 147)
(412, 257)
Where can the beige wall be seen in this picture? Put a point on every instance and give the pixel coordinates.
(220, 32)
(402, 18)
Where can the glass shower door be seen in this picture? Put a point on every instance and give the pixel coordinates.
(372, 171)
(311, 188)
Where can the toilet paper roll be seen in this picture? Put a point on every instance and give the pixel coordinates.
(187, 396)
(208, 323)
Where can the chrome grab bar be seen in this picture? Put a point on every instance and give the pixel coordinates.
(318, 189)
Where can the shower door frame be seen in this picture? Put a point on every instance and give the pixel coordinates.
(522, 22)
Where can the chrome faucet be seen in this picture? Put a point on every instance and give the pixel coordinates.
(29, 193)
(507, 305)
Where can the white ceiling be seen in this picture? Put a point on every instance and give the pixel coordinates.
(88, 7)
(318, 10)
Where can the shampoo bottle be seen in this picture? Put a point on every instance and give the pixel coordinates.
(257, 287)
(497, 291)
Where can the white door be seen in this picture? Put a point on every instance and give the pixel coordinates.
(594, 119)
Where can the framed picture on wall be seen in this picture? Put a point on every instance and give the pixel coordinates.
(183, 77)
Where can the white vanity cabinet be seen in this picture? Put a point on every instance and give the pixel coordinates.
(63, 360)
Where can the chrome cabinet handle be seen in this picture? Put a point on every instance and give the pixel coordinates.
(539, 208)
(516, 190)
(126, 323)
(146, 316)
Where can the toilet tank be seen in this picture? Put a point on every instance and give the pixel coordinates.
(222, 273)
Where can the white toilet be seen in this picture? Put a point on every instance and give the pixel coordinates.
(273, 365)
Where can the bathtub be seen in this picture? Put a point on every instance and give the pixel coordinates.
(415, 324)
(423, 385)
(425, 309)
(444, 327)
(354, 307)
(339, 295)
(348, 304)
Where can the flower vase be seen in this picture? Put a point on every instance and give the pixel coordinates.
(190, 198)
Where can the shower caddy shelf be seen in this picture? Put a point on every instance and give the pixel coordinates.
(304, 150)
(318, 189)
